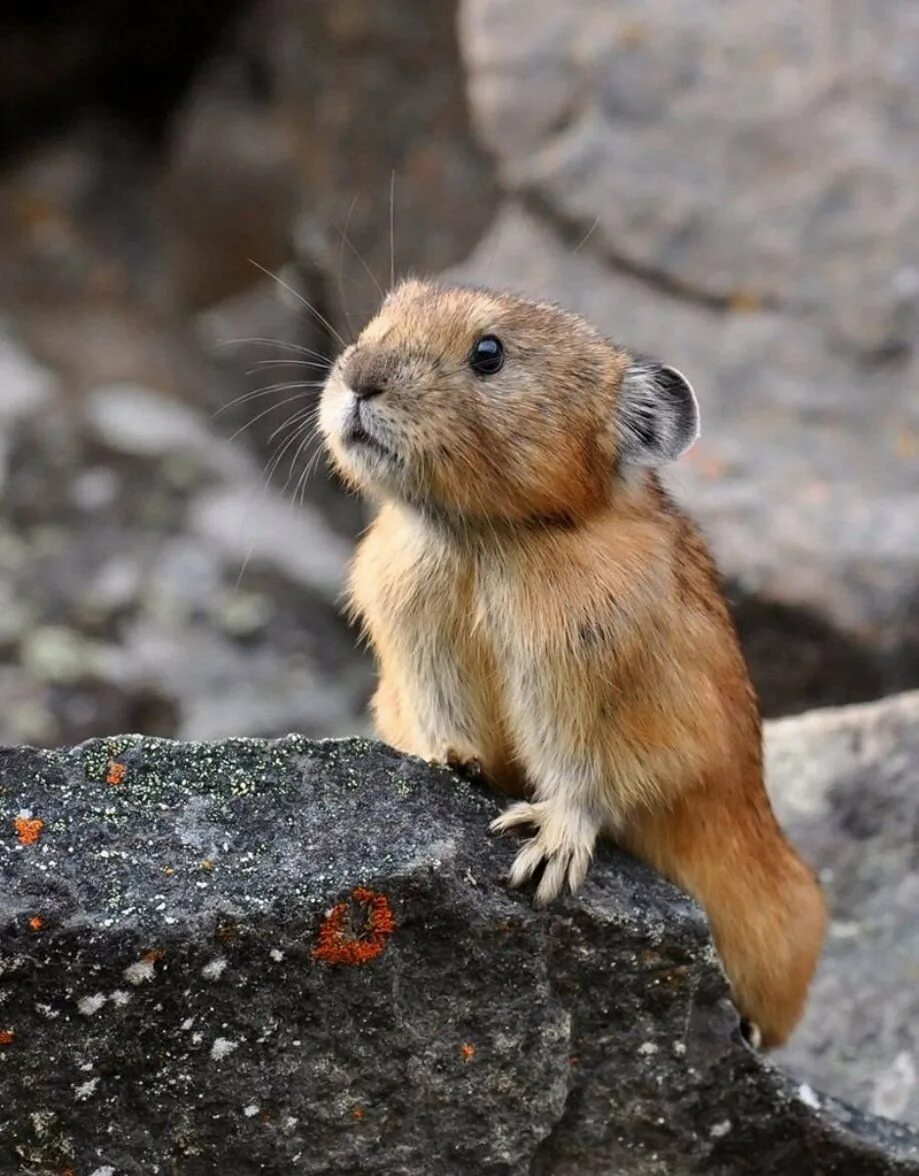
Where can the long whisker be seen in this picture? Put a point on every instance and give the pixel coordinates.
(583, 241)
(392, 228)
(310, 363)
(256, 393)
(278, 456)
(299, 415)
(341, 268)
(276, 343)
(306, 435)
(305, 301)
(265, 412)
(307, 474)
(346, 240)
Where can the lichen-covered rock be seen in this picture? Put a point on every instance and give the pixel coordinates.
(846, 786)
(293, 956)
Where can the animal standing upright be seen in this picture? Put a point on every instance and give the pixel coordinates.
(537, 603)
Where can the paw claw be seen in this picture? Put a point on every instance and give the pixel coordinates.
(517, 814)
(563, 845)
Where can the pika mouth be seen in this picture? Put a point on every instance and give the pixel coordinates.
(356, 435)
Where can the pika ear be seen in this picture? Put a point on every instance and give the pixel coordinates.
(657, 416)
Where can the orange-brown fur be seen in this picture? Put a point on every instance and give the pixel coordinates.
(537, 605)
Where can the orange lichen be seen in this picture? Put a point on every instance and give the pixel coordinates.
(114, 773)
(467, 1051)
(6, 1036)
(36, 923)
(28, 829)
(357, 1113)
(338, 943)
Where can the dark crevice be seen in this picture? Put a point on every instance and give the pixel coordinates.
(581, 234)
(798, 660)
(63, 61)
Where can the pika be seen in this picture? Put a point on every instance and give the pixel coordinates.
(536, 603)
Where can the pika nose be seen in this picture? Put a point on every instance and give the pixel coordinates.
(366, 372)
(365, 389)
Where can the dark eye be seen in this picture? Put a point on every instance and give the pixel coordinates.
(487, 356)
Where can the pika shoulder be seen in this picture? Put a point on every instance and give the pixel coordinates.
(537, 603)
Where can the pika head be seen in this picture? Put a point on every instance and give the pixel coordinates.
(483, 406)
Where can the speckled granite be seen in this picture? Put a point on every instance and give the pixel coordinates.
(170, 915)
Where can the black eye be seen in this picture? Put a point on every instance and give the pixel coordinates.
(487, 356)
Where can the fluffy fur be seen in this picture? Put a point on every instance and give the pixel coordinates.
(536, 603)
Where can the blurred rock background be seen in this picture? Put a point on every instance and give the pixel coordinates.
(730, 188)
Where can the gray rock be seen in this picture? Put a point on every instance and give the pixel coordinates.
(846, 785)
(746, 155)
(170, 999)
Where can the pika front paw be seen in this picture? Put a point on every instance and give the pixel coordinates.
(467, 765)
(563, 846)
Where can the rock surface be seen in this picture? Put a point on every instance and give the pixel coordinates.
(732, 193)
(173, 997)
(846, 786)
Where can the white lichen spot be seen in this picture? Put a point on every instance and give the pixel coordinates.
(140, 972)
(47, 1011)
(86, 1089)
(41, 1121)
(222, 1048)
(276, 955)
(808, 1096)
(719, 1130)
(88, 1005)
(120, 998)
(197, 1038)
(105, 1170)
(215, 969)
(679, 1048)
(250, 1111)
(187, 1023)
(647, 1049)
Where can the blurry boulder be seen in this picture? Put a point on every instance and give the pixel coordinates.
(845, 784)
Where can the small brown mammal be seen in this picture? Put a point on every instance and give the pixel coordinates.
(537, 603)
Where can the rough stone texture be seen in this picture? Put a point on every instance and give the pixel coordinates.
(161, 1008)
(846, 786)
(733, 192)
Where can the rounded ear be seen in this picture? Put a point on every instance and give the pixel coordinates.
(657, 414)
